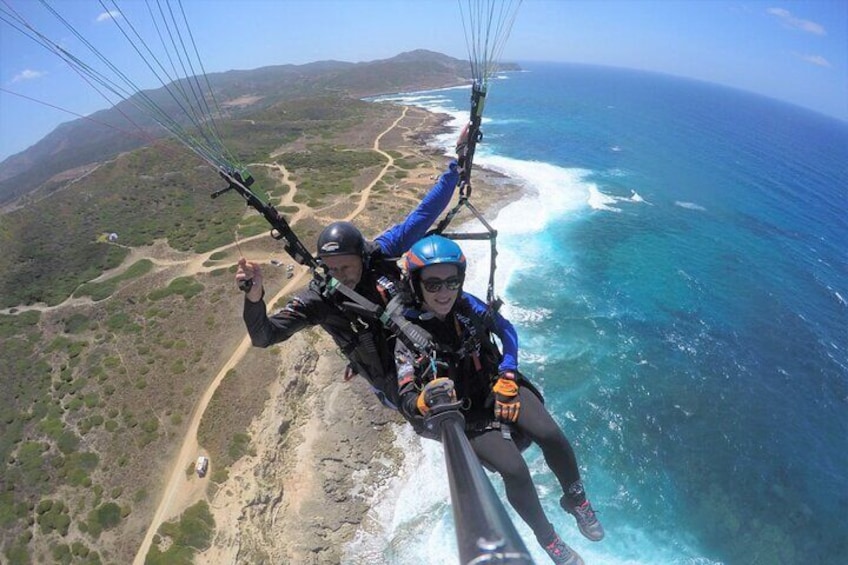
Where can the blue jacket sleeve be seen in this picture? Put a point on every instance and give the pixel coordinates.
(397, 240)
(503, 329)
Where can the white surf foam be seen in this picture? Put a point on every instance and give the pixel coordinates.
(410, 520)
(690, 206)
(636, 197)
(600, 201)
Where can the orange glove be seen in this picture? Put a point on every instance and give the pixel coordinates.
(507, 403)
(436, 391)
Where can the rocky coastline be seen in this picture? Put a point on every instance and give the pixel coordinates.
(297, 497)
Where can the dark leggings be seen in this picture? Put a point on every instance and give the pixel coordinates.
(504, 457)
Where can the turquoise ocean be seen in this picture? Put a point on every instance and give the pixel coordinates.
(677, 270)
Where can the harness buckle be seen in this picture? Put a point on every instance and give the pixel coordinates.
(358, 325)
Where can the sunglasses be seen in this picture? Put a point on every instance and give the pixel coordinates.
(435, 285)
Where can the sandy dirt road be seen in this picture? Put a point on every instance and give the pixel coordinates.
(183, 489)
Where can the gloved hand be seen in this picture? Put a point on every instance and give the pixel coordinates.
(249, 279)
(507, 403)
(437, 391)
(319, 284)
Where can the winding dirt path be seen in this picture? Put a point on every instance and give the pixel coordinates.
(390, 161)
(161, 255)
(182, 490)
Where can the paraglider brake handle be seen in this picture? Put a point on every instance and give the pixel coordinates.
(245, 285)
(230, 177)
(444, 408)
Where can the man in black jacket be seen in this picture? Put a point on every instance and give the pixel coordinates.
(371, 270)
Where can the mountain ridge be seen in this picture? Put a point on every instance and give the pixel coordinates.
(109, 132)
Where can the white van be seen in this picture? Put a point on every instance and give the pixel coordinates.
(202, 466)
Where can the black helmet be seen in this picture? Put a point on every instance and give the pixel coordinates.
(341, 238)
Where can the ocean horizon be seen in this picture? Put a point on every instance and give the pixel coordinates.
(677, 273)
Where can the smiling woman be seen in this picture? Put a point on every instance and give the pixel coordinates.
(435, 267)
(485, 386)
(440, 285)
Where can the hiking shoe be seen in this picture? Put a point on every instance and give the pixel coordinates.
(561, 554)
(588, 523)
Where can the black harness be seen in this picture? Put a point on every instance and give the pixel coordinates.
(374, 325)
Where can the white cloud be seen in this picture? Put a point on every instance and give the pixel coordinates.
(110, 15)
(28, 74)
(786, 17)
(817, 60)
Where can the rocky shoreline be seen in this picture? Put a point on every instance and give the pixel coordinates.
(291, 501)
(296, 497)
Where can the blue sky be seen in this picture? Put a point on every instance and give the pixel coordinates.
(793, 51)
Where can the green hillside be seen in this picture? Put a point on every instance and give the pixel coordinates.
(95, 395)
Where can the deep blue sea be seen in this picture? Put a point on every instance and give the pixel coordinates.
(677, 270)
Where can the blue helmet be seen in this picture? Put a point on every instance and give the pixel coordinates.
(432, 250)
